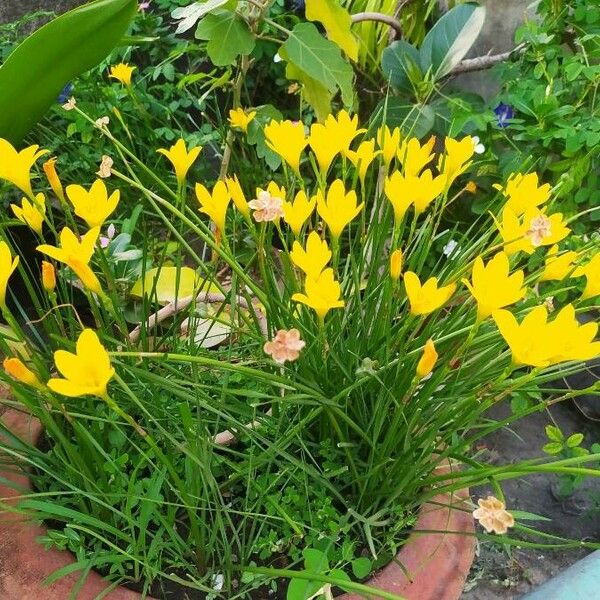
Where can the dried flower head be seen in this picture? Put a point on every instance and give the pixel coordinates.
(493, 516)
(105, 169)
(286, 345)
(70, 104)
(102, 122)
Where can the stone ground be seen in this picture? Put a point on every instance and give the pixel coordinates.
(11, 10)
(500, 573)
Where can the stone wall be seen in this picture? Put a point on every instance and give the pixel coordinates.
(11, 10)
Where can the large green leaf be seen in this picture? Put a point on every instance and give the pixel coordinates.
(451, 38)
(337, 22)
(414, 120)
(320, 59)
(228, 36)
(400, 64)
(32, 76)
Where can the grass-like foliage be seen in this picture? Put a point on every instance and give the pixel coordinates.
(353, 360)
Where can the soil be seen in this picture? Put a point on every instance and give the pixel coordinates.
(501, 573)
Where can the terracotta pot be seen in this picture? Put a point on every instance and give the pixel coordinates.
(434, 565)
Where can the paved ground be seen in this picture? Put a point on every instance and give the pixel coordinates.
(502, 573)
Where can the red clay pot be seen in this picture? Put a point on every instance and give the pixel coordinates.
(434, 565)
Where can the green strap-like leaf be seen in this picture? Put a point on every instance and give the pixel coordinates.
(37, 70)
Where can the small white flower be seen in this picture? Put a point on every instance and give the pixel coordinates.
(277, 58)
(479, 148)
(217, 582)
(450, 247)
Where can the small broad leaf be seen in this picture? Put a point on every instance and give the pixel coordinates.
(188, 16)
(361, 567)
(553, 448)
(400, 64)
(228, 37)
(449, 40)
(574, 440)
(337, 22)
(315, 560)
(256, 135)
(34, 74)
(301, 589)
(554, 433)
(320, 59)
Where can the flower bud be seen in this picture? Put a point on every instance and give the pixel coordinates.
(53, 180)
(48, 276)
(17, 370)
(428, 359)
(395, 264)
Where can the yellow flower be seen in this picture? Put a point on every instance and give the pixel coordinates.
(388, 142)
(557, 267)
(324, 146)
(424, 299)
(398, 190)
(415, 157)
(288, 140)
(48, 276)
(15, 166)
(53, 179)
(457, 158)
(523, 192)
(363, 157)
(493, 287)
(122, 72)
(31, 213)
(180, 158)
(17, 370)
(428, 359)
(239, 119)
(592, 273)
(530, 341)
(396, 260)
(237, 195)
(314, 259)
(322, 293)
(512, 233)
(339, 209)
(537, 343)
(7, 266)
(86, 372)
(425, 189)
(343, 130)
(93, 206)
(296, 213)
(214, 205)
(493, 516)
(575, 341)
(76, 254)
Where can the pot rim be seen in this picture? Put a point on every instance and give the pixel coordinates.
(432, 565)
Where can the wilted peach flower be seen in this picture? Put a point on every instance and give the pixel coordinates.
(105, 169)
(266, 207)
(286, 345)
(69, 104)
(493, 516)
(539, 228)
(102, 122)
